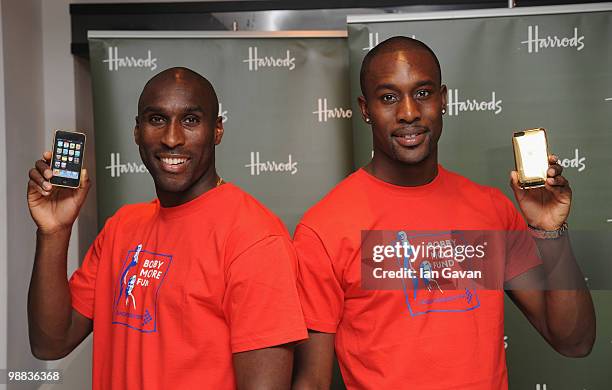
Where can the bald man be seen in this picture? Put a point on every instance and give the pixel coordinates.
(195, 289)
(425, 333)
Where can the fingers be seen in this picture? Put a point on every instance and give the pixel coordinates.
(84, 178)
(514, 180)
(552, 159)
(560, 188)
(557, 181)
(34, 184)
(34, 188)
(40, 175)
(81, 192)
(47, 156)
(44, 169)
(554, 169)
(519, 193)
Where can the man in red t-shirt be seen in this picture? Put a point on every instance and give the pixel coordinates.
(195, 289)
(419, 333)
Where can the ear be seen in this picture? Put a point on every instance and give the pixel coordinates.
(137, 131)
(444, 95)
(218, 130)
(363, 107)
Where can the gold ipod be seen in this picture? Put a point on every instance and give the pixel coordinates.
(531, 157)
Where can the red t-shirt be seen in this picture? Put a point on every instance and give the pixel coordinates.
(174, 292)
(384, 338)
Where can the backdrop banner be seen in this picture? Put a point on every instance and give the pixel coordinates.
(283, 98)
(508, 70)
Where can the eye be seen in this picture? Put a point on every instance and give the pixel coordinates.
(423, 94)
(157, 119)
(388, 98)
(191, 120)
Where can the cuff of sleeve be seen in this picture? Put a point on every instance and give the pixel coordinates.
(297, 334)
(321, 326)
(80, 306)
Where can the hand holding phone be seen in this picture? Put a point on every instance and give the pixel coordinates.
(54, 207)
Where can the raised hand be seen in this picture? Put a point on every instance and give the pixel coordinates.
(53, 208)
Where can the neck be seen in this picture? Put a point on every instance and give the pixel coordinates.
(403, 174)
(207, 182)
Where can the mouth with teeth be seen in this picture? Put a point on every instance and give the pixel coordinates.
(410, 138)
(173, 164)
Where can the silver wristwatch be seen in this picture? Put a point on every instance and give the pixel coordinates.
(548, 234)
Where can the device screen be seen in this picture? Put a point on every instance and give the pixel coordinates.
(67, 160)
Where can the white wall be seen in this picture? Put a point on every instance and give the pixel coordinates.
(24, 124)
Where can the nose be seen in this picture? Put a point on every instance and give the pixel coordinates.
(173, 134)
(408, 110)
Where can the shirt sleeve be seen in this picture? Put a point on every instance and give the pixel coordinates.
(83, 281)
(261, 303)
(320, 289)
(521, 250)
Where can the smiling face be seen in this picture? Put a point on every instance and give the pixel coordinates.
(403, 100)
(176, 130)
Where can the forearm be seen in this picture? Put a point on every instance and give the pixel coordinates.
(569, 312)
(49, 302)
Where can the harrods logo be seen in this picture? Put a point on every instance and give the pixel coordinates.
(535, 43)
(255, 62)
(324, 112)
(258, 167)
(115, 62)
(576, 162)
(117, 168)
(455, 105)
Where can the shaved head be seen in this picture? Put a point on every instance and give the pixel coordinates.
(180, 75)
(177, 129)
(394, 44)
